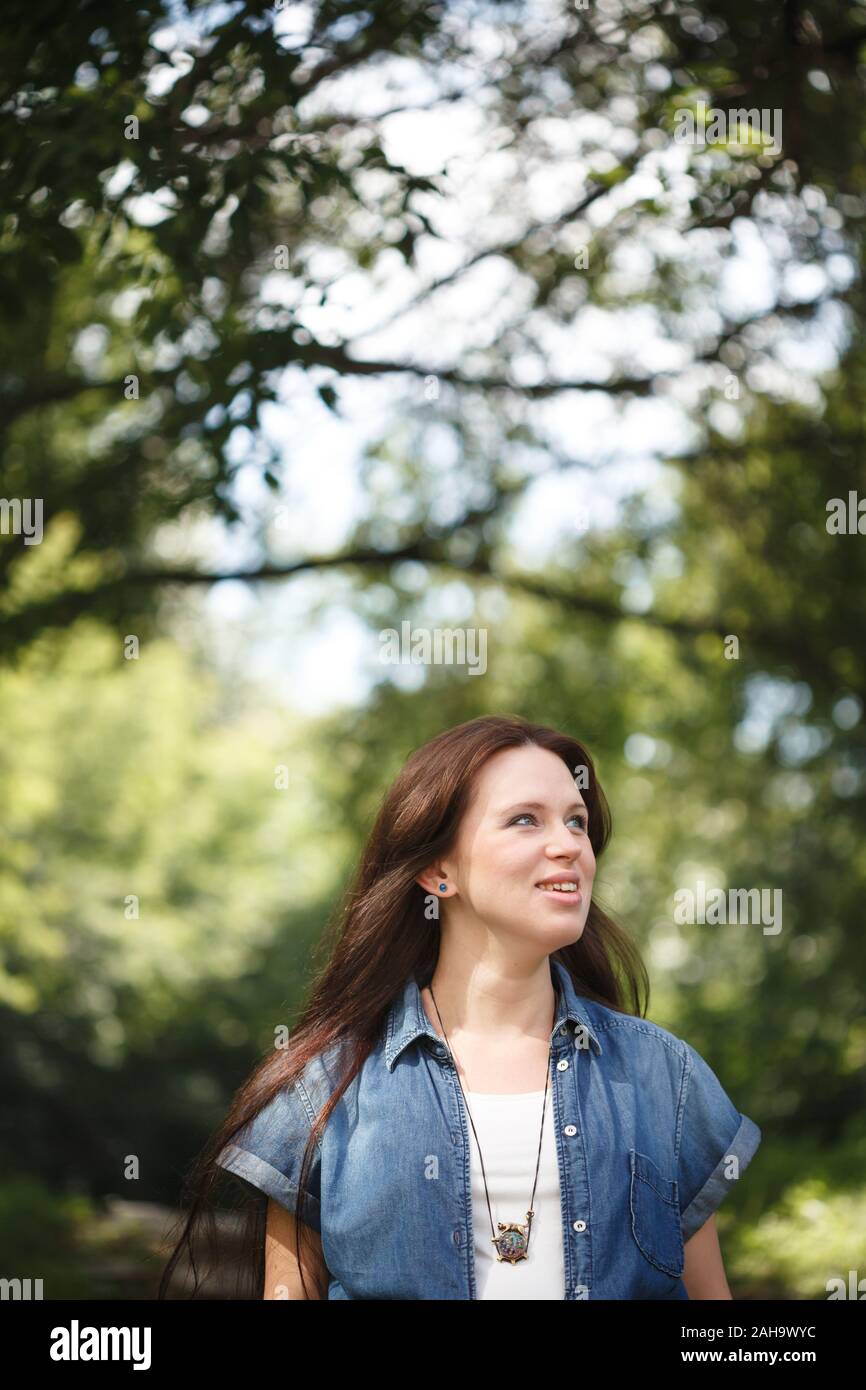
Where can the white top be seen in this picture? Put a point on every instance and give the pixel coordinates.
(508, 1127)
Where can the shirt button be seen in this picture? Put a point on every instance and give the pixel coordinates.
(562, 1066)
(457, 1236)
(569, 1130)
(579, 1225)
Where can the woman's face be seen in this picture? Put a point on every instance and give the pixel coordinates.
(527, 822)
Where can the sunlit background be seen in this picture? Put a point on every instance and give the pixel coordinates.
(323, 319)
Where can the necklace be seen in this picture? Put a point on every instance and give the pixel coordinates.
(512, 1243)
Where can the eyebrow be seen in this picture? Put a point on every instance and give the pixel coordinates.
(539, 806)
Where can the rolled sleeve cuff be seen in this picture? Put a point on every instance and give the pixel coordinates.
(268, 1179)
(714, 1191)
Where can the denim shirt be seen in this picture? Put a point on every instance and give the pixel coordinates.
(648, 1145)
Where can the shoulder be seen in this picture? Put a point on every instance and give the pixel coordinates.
(650, 1058)
(627, 1033)
(321, 1075)
(657, 1063)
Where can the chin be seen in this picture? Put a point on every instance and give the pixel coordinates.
(568, 935)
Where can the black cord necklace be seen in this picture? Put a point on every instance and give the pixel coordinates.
(513, 1242)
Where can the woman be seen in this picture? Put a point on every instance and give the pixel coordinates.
(468, 1107)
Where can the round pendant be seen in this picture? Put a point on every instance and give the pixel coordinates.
(511, 1245)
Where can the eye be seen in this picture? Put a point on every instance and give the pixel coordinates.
(580, 816)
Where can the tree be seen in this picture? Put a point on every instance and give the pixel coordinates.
(188, 188)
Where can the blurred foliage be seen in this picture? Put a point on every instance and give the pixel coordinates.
(182, 202)
(77, 1248)
(812, 1232)
(148, 860)
(42, 1236)
(161, 290)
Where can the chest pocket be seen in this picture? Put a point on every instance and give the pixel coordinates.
(655, 1215)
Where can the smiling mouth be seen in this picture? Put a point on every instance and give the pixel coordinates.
(561, 890)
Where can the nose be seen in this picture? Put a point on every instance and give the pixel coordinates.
(563, 843)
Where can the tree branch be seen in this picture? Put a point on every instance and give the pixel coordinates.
(65, 608)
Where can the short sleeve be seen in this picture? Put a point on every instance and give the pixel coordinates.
(269, 1150)
(713, 1133)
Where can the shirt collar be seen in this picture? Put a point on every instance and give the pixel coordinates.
(407, 1018)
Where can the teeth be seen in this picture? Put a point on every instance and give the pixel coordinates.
(560, 887)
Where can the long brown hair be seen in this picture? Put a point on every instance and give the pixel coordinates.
(384, 937)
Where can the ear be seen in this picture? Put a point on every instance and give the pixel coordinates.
(434, 883)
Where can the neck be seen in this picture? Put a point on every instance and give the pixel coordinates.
(494, 998)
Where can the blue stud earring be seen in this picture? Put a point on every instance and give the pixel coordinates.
(442, 887)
